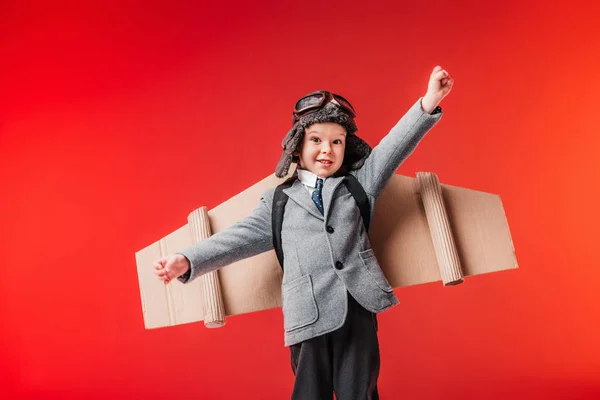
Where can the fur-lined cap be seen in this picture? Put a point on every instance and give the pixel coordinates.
(357, 150)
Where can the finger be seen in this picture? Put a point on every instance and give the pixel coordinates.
(162, 274)
(439, 75)
(436, 69)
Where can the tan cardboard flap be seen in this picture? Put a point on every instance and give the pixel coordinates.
(403, 245)
(173, 304)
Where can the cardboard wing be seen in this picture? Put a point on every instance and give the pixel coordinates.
(422, 231)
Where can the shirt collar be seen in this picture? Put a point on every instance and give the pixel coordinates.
(308, 178)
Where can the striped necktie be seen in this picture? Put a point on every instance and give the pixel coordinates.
(317, 197)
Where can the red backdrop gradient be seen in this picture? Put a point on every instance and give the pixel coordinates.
(117, 121)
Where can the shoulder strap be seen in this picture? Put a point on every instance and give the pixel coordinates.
(360, 197)
(280, 199)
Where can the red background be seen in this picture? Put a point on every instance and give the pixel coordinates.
(116, 122)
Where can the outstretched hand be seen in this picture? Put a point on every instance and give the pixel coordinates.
(169, 268)
(440, 84)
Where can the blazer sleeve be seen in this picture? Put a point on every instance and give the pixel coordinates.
(246, 238)
(394, 148)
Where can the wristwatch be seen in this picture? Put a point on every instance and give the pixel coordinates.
(436, 110)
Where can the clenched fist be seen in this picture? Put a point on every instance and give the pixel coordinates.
(440, 84)
(171, 267)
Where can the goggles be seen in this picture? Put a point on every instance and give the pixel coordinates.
(317, 100)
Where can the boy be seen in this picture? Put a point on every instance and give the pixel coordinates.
(332, 285)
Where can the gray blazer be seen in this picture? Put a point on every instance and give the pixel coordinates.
(325, 255)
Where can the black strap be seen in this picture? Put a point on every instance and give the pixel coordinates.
(280, 199)
(360, 197)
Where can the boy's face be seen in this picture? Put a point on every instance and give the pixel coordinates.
(322, 149)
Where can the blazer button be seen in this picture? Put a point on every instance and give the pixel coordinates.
(339, 265)
(329, 229)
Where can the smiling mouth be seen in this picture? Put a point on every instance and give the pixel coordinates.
(325, 162)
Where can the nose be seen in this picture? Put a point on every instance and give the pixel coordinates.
(326, 148)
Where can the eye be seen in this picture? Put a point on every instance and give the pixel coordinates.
(315, 139)
(338, 141)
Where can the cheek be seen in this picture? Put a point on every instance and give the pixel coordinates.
(312, 152)
(340, 153)
(306, 154)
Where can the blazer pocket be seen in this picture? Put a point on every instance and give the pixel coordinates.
(372, 266)
(298, 303)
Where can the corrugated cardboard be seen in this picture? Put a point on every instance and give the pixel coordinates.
(400, 236)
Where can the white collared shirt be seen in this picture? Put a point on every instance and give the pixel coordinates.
(309, 180)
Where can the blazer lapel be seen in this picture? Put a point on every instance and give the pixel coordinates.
(329, 188)
(301, 196)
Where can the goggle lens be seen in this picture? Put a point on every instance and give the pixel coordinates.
(309, 101)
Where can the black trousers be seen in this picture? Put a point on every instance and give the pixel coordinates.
(345, 361)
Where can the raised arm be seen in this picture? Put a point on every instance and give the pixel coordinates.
(402, 140)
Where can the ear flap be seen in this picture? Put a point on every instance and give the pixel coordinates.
(357, 151)
(290, 145)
